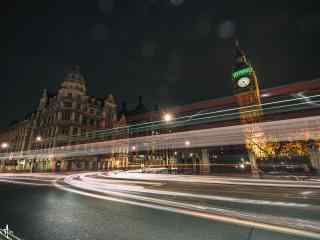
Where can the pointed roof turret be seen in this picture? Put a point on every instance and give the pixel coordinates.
(110, 99)
(240, 57)
(74, 74)
(73, 83)
(44, 93)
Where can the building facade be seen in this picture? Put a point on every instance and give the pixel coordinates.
(68, 117)
(71, 117)
(248, 105)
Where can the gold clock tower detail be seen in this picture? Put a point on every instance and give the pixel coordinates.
(247, 93)
(246, 88)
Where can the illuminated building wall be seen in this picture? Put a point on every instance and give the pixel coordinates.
(67, 117)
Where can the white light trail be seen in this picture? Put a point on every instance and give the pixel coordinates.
(122, 192)
(294, 129)
(107, 184)
(25, 182)
(286, 225)
(215, 180)
(191, 119)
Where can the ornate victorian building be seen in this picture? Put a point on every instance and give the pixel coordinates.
(67, 117)
(70, 119)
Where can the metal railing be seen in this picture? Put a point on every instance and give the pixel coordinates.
(7, 234)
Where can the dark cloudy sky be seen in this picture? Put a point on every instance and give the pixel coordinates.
(169, 51)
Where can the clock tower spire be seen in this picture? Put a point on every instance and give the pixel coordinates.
(241, 57)
(247, 93)
(246, 87)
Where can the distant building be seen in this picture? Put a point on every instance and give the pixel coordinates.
(248, 104)
(67, 117)
(71, 117)
(14, 138)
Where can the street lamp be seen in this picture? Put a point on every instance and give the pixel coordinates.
(187, 143)
(167, 117)
(4, 145)
(38, 138)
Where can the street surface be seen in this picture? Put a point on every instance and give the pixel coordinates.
(134, 205)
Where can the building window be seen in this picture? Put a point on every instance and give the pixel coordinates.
(67, 104)
(74, 131)
(76, 117)
(64, 131)
(85, 120)
(66, 116)
(52, 132)
(90, 134)
(83, 132)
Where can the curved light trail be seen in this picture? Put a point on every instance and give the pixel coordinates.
(215, 180)
(105, 189)
(145, 194)
(294, 129)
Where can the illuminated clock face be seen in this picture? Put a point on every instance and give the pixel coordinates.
(243, 82)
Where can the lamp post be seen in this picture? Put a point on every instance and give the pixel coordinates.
(187, 143)
(167, 117)
(4, 146)
(38, 139)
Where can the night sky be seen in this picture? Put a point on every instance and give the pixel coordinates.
(169, 51)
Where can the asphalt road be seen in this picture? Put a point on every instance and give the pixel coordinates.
(150, 209)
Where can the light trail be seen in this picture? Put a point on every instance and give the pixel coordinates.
(217, 180)
(26, 183)
(26, 179)
(37, 176)
(32, 179)
(107, 184)
(192, 116)
(214, 217)
(192, 119)
(122, 192)
(293, 129)
(286, 225)
(236, 109)
(235, 115)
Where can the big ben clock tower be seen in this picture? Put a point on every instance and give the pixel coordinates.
(246, 88)
(247, 93)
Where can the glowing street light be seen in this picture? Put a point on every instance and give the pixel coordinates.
(4, 145)
(167, 117)
(133, 148)
(38, 138)
(187, 143)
